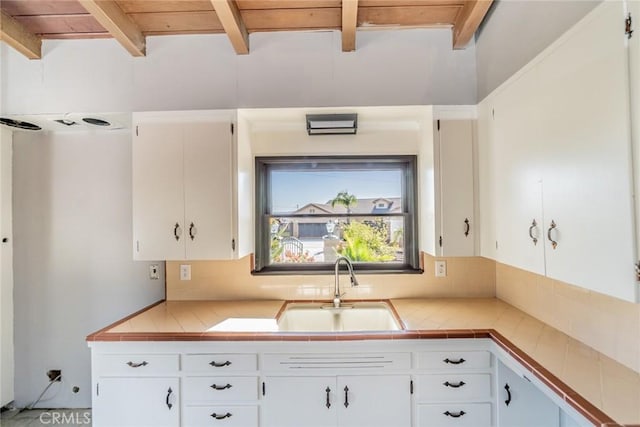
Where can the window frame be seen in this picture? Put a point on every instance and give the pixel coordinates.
(262, 257)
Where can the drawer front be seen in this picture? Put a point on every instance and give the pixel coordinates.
(219, 389)
(136, 364)
(455, 415)
(328, 362)
(219, 362)
(220, 415)
(453, 387)
(454, 360)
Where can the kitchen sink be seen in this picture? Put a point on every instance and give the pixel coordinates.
(324, 317)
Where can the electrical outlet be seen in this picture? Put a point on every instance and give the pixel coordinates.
(54, 375)
(185, 272)
(441, 268)
(154, 272)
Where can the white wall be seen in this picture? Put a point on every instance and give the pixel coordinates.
(73, 265)
(6, 271)
(199, 72)
(515, 31)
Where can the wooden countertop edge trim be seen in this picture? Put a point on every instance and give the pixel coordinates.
(101, 335)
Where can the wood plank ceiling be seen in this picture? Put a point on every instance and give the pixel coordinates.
(25, 23)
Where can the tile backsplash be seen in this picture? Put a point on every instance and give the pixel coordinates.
(607, 324)
(228, 280)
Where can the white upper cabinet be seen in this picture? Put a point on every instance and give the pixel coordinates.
(455, 223)
(183, 186)
(447, 189)
(560, 152)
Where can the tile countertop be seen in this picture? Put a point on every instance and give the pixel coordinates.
(599, 387)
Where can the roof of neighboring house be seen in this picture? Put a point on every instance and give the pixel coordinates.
(362, 206)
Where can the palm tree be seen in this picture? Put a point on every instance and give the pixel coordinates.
(345, 199)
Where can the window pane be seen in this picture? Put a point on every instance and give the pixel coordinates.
(321, 239)
(330, 189)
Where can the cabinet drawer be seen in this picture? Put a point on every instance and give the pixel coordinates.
(454, 360)
(455, 415)
(220, 389)
(453, 387)
(136, 364)
(219, 362)
(220, 415)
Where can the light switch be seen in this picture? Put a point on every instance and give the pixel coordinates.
(185, 272)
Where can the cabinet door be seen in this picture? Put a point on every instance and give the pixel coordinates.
(455, 155)
(300, 401)
(374, 401)
(136, 402)
(158, 196)
(517, 174)
(208, 190)
(585, 135)
(521, 404)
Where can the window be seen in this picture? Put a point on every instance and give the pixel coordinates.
(311, 210)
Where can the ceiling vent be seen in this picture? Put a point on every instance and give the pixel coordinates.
(68, 122)
(19, 124)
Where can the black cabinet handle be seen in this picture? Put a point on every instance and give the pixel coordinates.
(454, 385)
(346, 396)
(328, 391)
(506, 387)
(219, 365)
(137, 365)
(220, 387)
(191, 228)
(454, 362)
(467, 227)
(534, 239)
(552, 226)
(454, 414)
(221, 417)
(177, 231)
(169, 393)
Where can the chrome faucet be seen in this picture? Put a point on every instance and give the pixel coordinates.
(354, 281)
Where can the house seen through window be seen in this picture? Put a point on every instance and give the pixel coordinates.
(312, 210)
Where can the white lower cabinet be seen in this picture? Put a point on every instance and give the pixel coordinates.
(221, 415)
(461, 414)
(345, 401)
(137, 402)
(521, 404)
(382, 383)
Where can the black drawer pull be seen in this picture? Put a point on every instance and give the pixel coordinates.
(221, 417)
(219, 365)
(220, 387)
(137, 365)
(454, 362)
(454, 385)
(169, 404)
(508, 389)
(454, 415)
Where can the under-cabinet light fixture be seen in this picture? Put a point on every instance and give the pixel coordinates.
(332, 124)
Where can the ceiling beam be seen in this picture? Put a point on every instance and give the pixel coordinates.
(16, 35)
(468, 21)
(231, 20)
(121, 27)
(349, 23)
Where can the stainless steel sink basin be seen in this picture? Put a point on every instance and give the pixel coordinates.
(322, 317)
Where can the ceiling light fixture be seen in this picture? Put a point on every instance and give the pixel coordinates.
(332, 124)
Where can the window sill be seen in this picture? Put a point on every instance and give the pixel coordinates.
(329, 269)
